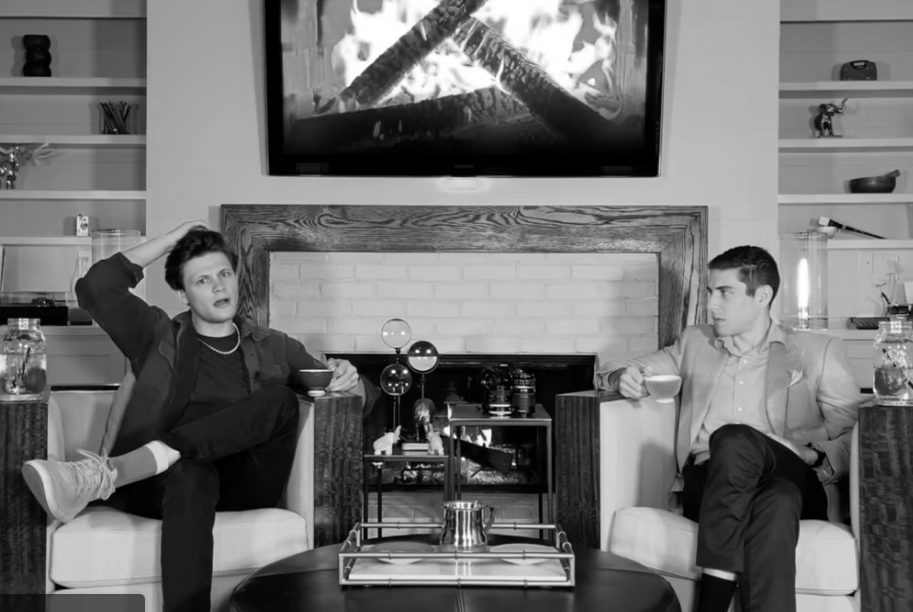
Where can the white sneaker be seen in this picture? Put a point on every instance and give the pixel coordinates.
(65, 488)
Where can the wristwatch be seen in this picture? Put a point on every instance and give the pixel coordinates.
(821, 455)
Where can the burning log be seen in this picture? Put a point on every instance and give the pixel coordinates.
(388, 125)
(388, 70)
(545, 99)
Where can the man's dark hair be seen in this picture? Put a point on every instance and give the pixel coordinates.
(755, 265)
(195, 243)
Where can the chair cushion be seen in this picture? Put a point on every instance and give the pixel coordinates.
(826, 562)
(103, 546)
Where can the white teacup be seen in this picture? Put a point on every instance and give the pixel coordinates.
(663, 387)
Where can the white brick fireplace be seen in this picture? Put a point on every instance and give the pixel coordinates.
(570, 280)
(545, 303)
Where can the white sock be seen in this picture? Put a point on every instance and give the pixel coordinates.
(165, 456)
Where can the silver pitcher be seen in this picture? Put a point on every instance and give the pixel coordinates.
(463, 530)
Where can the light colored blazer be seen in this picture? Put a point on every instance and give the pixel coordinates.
(811, 395)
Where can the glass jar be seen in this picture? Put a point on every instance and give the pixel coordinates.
(893, 363)
(23, 361)
(803, 280)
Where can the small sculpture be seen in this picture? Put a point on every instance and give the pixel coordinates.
(824, 120)
(435, 444)
(16, 156)
(384, 444)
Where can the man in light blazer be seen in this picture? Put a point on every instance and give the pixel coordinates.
(763, 432)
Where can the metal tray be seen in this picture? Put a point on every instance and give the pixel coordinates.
(552, 568)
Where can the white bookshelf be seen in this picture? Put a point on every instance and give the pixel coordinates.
(858, 145)
(799, 199)
(881, 89)
(869, 244)
(115, 195)
(70, 86)
(77, 140)
(73, 9)
(79, 241)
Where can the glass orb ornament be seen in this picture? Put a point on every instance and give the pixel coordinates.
(396, 379)
(396, 333)
(422, 357)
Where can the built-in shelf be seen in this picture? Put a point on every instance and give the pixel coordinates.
(796, 145)
(23, 194)
(847, 334)
(45, 241)
(797, 199)
(78, 140)
(54, 85)
(73, 9)
(869, 244)
(868, 89)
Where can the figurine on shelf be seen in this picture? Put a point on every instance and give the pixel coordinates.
(824, 120)
(384, 444)
(17, 155)
(435, 443)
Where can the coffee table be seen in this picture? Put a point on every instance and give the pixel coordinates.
(310, 581)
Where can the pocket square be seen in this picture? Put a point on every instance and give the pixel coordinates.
(795, 376)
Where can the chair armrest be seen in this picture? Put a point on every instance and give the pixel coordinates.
(56, 439)
(299, 492)
(854, 482)
(637, 459)
(56, 450)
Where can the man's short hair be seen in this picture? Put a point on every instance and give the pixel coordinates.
(195, 243)
(755, 265)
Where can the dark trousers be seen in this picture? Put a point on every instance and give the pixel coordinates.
(748, 499)
(236, 457)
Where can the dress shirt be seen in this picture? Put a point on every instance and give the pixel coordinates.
(739, 395)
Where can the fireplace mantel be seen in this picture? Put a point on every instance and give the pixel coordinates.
(677, 234)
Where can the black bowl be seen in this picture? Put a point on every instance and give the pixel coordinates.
(873, 184)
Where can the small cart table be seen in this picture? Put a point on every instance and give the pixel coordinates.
(465, 415)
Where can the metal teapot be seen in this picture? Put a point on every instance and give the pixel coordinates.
(463, 530)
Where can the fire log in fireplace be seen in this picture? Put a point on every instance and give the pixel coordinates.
(387, 106)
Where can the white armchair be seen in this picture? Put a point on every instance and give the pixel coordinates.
(637, 468)
(106, 551)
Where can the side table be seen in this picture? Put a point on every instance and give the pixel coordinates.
(469, 416)
(886, 508)
(400, 456)
(23, 523)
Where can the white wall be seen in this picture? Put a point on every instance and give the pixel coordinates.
(206, 137)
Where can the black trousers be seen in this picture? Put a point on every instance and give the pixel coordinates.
(748, 499)
(237, 457)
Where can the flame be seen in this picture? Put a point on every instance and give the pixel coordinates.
(566, 38)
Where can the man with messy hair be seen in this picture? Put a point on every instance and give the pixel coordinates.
(212, 421)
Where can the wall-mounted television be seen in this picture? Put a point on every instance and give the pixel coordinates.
(563, 88)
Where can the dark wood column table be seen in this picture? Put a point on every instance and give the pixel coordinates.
(338, 466)
(886, 508)
(23, 523)
(310, 581)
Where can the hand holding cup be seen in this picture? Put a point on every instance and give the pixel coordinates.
(631, 382)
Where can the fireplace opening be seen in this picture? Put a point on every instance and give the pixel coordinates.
(503, 459)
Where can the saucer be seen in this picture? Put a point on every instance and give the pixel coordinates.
(400, 547)
(517, 548)
(317, 393)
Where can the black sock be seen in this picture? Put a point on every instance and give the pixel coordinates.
(715, 594)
